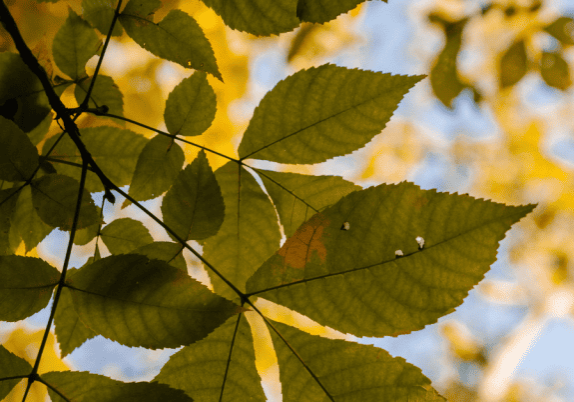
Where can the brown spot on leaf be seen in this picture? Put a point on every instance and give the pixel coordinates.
(307, 241)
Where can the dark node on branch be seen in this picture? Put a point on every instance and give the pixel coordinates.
(102, 110)
(109, 196)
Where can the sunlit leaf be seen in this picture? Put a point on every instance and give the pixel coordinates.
(321, 11)
(562, 29)
(27, 222)
(55, 196)
(225, 359)
(115, 151)
(124, 235)
(344, 371)
(322, 112)
(348, 256)
(190, 107)
(249, 234)
(193, 207)
(176, 38)
(140, 302)
(11, 366)
(100, 13)
(105, 92)
(555, 71)
(87, 387)
(7, 205)
(513, 64)
(158, 165)
(259, 17)
(297, 197)
(70, 331)
(165, 251)
(26, 285)
(74, 44)
(18, 157)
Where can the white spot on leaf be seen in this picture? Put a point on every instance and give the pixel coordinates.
(399, 253)
(421, 242)
(346, 226)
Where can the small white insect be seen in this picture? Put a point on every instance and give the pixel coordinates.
(346, 226)
(421, 242)
(399, 253)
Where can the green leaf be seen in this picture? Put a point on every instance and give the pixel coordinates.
(193, 207)
(158, 165)
(176, 38)
(27, 222)
(322, 112)
(11, 366)
(297, 196)
(249, 233)
(18, 83)
(345, 258)
(26, 285)
(70, 331)
(190, 107)
(164, 251)
(225, 360)
(87, 387)
(100, 14)
(562, 29)
(124, 235)
(321, 11)
(39, 132)
(344, 371)
(7, 204)
(86, 235)
(445, 81)
(555, 71)
(140, 302)
(259, 17)
(105, 92)
(55, 196)
(115, 151)
(513, 64)
(74, 44)
(18, 157)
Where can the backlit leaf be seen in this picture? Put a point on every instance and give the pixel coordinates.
(18, 157)
(562, 29)
(513, 64)
(74, 44)
(225, 359)
(165, 251)
(124, 235)
(87, 387)
(555, 71)
(176, 38)
(26, 285)
(86, 235)
(140, 302)
(105, 92)
(330, 274)
(100, 13)
(158, 165)
(345, 371)
(190, 107)
(321, 11)
(322, 112)
(11, 366)
(7, 205)
(27, 222)
(193, 207)
(249, 234)
(259, 17)
(297, 197)
(55, 196)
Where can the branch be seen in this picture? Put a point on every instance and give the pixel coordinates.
(55, 102)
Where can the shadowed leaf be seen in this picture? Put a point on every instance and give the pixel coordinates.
(27, 222)
(18, 157)
(322, 112)
(124, 235)
(7, 206)
(26, 285)
(11, 366)
(165, 251)
(330, 274)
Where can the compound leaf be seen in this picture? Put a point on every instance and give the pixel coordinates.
(141, 302)
(124, 235)
(193, 207)
(225, 359)
(249, 233)
(190, 107)
(78, 386)
(322, 112)
(26, 285)
(74, 44)
(18, 157)
(297, 196)
(259, 17)
(11, 366)
(345, 371)
(349, 256)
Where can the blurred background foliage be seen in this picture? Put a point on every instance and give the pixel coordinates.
(493, 119)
